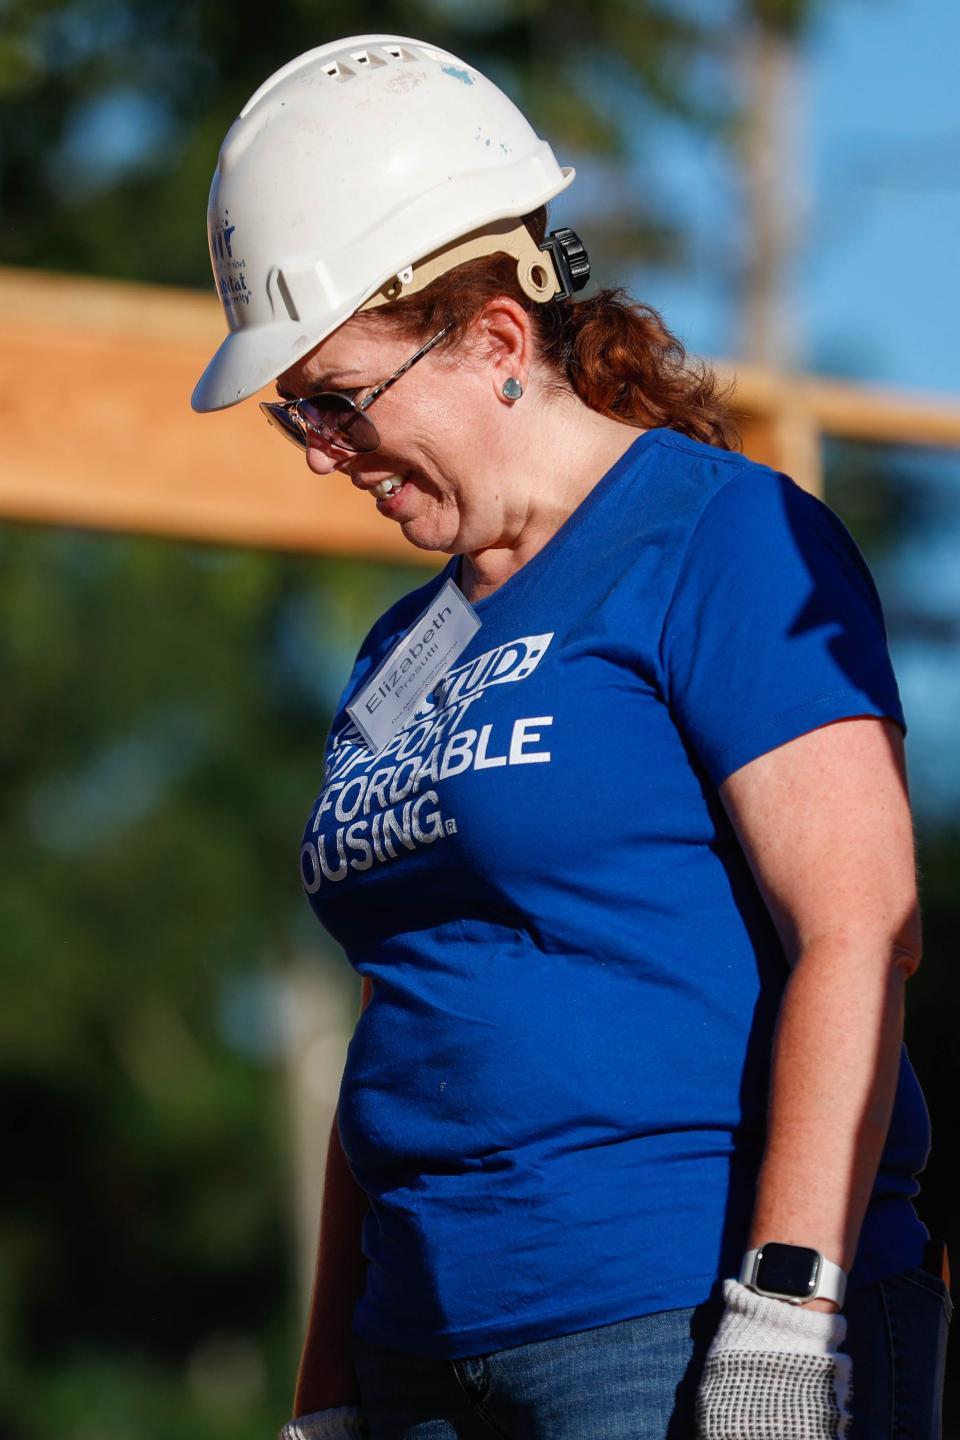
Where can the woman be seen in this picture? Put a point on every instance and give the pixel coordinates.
(627, 1138)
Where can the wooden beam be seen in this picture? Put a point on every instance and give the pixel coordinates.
(848, 411)
(96, 428)
(787, 439)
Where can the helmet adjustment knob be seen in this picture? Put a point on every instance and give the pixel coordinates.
(570, 260)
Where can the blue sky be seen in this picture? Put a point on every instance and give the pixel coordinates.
(885, 151)
(877, 294)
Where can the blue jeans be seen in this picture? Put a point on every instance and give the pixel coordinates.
(637, 1380)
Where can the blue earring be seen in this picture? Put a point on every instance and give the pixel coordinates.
(512, 389)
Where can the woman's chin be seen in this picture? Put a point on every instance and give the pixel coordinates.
(429, 532)
(426, 537)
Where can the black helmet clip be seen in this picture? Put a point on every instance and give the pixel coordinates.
(570, 260)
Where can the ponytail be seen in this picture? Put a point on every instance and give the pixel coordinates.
(620, 358)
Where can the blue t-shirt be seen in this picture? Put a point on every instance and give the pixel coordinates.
(556, 1097)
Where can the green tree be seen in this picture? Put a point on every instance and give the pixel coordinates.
(159, 751)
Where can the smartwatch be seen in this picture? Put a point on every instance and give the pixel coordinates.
(792, 1273)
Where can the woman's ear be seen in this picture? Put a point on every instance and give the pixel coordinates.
(504, 335)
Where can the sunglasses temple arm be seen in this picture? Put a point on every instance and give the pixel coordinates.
(385, 385)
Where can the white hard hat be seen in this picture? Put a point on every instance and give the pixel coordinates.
(348, 167)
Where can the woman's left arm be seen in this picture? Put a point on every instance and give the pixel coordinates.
(825, 823)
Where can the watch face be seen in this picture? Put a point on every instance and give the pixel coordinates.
(788, 1270)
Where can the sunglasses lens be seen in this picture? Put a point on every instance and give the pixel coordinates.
(335, 418)
(283, 421)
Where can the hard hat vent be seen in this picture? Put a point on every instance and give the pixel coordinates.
(338, 71)
(343, 68)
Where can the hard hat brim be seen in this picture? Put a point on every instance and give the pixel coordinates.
(247, 360)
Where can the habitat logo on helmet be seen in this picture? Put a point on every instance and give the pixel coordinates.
(227, 268)
(355, 175)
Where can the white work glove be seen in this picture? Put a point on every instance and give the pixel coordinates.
(343, 1422)
(774, 1372)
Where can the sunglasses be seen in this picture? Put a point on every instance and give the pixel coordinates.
(334, 417)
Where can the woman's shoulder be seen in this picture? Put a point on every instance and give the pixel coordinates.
(675, 496)
(698, 472)
(706, 494)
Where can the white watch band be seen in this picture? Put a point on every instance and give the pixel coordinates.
(831, 1280)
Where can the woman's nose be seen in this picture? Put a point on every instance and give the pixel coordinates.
(323, 458)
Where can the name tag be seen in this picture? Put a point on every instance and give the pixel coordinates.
(415, 664)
